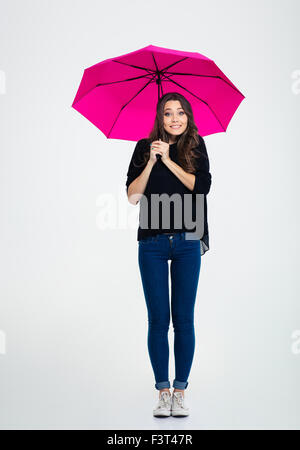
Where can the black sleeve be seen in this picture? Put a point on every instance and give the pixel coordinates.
(137, 158)
(202, 174)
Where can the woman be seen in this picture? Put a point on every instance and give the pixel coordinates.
(171, 169)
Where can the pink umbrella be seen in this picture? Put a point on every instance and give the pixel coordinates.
(119, 95)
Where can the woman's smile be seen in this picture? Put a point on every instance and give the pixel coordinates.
(173, 111)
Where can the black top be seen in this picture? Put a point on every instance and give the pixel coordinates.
(163, 181)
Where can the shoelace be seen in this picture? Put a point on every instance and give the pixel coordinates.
(179, 398)
(164, 400)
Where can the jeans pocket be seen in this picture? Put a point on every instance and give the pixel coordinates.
(147, 240)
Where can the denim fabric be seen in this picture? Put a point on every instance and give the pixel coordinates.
(185, 256)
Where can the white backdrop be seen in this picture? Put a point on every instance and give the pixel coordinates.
(73, 317)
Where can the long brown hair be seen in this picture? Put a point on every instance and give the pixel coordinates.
(186, 142)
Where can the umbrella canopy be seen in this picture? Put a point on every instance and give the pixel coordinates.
(119, 95)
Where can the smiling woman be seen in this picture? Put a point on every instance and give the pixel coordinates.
(172, 110)
(183, 205)
(179, 182)
(184, 172)
(175, 119)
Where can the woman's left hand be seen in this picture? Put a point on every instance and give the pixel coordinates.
(163, 148)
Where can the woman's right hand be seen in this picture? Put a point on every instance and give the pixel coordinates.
(153, 152)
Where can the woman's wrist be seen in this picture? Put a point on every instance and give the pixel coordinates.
(150, 163)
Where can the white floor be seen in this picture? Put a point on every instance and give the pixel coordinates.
(76, 391)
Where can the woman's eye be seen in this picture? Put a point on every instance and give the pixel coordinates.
(181, 112)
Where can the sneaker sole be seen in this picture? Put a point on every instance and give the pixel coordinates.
(161, 413)
(180, 413)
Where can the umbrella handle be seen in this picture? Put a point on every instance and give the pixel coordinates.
(158, 156)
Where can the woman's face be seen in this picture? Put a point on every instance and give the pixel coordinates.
(175, 119)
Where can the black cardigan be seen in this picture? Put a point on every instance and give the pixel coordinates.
(163, 181)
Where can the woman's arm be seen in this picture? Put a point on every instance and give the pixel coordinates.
(137, 188)
(200, 182)
(188, 179)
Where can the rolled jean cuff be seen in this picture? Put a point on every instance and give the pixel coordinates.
(180, 384)
(162, 385)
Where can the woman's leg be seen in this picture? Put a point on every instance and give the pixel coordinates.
(154, 270)
(185, 270)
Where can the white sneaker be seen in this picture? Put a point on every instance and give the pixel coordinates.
(178, 407)
(164, 405)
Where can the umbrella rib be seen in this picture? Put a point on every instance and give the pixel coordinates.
(126, 105)
(207, 76)
(134, 66)
(176, 62)
(150, 70)
(111, 82)
(121, 81)
(182, 87)
(158, 81)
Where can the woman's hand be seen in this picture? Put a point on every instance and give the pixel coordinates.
(160, 147)
(153, 152)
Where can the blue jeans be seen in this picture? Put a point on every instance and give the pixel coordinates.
(185, 255)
